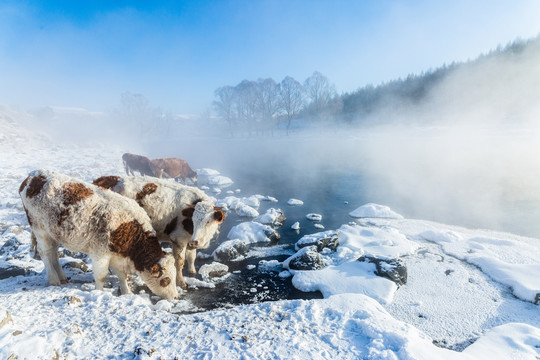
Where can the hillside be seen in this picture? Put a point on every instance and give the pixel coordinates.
(500, 86)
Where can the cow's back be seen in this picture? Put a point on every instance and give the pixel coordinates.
(172, 166)
(162, 200)
(79, 215)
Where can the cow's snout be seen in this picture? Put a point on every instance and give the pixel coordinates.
(193, 243)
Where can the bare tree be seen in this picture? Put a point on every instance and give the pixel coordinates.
(225, 104)
(247, 102)
(291, 94)
(268, 102)
(320, 91)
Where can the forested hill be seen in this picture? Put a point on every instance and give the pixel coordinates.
(505, 79)
(500, 86)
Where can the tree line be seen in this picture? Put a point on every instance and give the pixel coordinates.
(263, 104)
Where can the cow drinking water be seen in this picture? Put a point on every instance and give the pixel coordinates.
(183, 215)
(174, 168)
(113, 230)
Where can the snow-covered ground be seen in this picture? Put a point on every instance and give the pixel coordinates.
(471, 290)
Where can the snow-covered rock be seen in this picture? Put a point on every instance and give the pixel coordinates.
(295, 202)
(231, 250)
(213, 270)
(296, 226)
(327, 239)
(393, 269)
(244, 207)
(374, 211)
(211, 177)
(272, 216)
(314, 217)
(307, 258)
(253, 232)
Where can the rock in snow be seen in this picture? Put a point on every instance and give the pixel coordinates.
(213, 270)
(307, 258)
(272, 216)
(322, 240)
(253, 232)
(394, 269)
(231, 250)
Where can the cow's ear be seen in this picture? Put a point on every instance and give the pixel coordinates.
(219, 216)
(156, 271)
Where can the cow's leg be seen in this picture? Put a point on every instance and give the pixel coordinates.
(191, 254)
(58, 267)
(126, 167)
(101, 268)
(122, 281)
(48, 249)
(179, 252)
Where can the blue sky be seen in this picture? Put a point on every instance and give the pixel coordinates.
(176, 53)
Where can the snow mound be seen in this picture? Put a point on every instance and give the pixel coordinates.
(243, 207)
(212, 177)
(251, 232)
(374, 211)
(272, 216)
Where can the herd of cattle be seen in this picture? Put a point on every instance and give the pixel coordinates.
(119, 221)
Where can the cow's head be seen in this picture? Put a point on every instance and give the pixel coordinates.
(192, 175)
(206, 219)
(161, 278)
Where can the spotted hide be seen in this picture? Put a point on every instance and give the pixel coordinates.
(182, 215)
(113, 230)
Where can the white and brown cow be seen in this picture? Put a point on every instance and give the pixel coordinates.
(113, 230)
(174, 168)
(183, 215)
(138, 163)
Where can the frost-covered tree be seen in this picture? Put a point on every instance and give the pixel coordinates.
(247, 102)
(319, 91)
(291, 94)
(267, 102)
(225, 105)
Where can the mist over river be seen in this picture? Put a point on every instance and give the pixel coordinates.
(467, 177)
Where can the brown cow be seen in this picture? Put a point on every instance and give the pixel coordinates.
(138, 163)
(173, 168)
